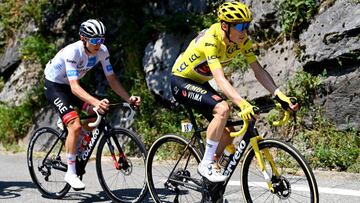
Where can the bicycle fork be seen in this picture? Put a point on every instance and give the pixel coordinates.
(121, 163)
(254, 142)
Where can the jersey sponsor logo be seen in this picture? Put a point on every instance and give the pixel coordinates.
(193, 57)
(91, 61)
(60, 105)
(70, 61)
(195, 96)
(232, 49)
(210, 45)
(211, 57)
(71, 73)
(196, 89)
(109, 68)
(182, 67)
(248, 51)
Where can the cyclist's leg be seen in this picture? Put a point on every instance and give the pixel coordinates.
(224, 141)
(205, 99)
(61, 97)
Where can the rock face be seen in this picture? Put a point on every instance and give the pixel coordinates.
(342, 102)
(20, 83)
(158, 60)
(331, 41)
(332, 34)
(280, 63)
(331, 37)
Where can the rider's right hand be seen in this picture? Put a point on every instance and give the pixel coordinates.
(102, 105)
(247, 110)
(287, 103)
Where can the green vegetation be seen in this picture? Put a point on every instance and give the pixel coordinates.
(16, 121)
(14, 13)
(322, 144)
(295, 15)
(37, 49)
(327, 147)
(303, 86)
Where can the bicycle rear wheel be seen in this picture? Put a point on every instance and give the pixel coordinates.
(295, 184)
(47, 163)
(120, 165)
(168, 182)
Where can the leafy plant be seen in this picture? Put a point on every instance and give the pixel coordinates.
(295, 15)
(331, 148)
(303, 86)
(37, 49)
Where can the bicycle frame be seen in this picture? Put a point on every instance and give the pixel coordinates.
(249, 140)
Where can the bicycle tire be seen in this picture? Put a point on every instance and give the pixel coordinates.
(122, 185)
(297, 182)
(162, 156)
(48, 180)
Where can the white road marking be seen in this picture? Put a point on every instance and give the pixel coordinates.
(325, 190)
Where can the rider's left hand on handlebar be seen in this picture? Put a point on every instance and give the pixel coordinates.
(287, 103)
(135, 100)
(247, 110)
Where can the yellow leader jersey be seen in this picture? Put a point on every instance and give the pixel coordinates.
(207, 52)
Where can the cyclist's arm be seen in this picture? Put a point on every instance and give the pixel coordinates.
(263, 77)
(225, 86)
(78, 91)
(117, 87)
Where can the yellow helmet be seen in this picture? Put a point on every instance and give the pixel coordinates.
(234, 12)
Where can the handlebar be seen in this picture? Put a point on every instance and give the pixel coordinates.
(98, 119)
(245, 126)
(123, 119)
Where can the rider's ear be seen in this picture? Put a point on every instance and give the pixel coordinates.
(82, 38)
(224, 26)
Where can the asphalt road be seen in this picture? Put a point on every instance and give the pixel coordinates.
(16, 185)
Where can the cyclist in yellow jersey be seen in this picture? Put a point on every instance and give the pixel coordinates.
(203, 60)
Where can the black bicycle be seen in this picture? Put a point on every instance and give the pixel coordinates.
(120, 160)
(271, 170)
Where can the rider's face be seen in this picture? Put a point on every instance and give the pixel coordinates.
(92, 48)
(236, 35)
(93, 44)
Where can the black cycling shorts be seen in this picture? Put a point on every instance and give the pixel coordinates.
(201, 97)
(63, 100)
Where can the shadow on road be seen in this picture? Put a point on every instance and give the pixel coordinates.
(99, 197)
(13, 189)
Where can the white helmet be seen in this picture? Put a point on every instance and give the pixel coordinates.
(92, 28)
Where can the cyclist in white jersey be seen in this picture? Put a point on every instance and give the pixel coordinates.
(63, 90)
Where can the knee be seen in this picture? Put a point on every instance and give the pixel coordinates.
(74, 126)
(222, 110)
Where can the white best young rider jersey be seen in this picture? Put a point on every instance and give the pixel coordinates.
(72, 63)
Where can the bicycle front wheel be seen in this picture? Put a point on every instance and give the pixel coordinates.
(47, 162)
(172, 171)
(295, 183)
(120, 165)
